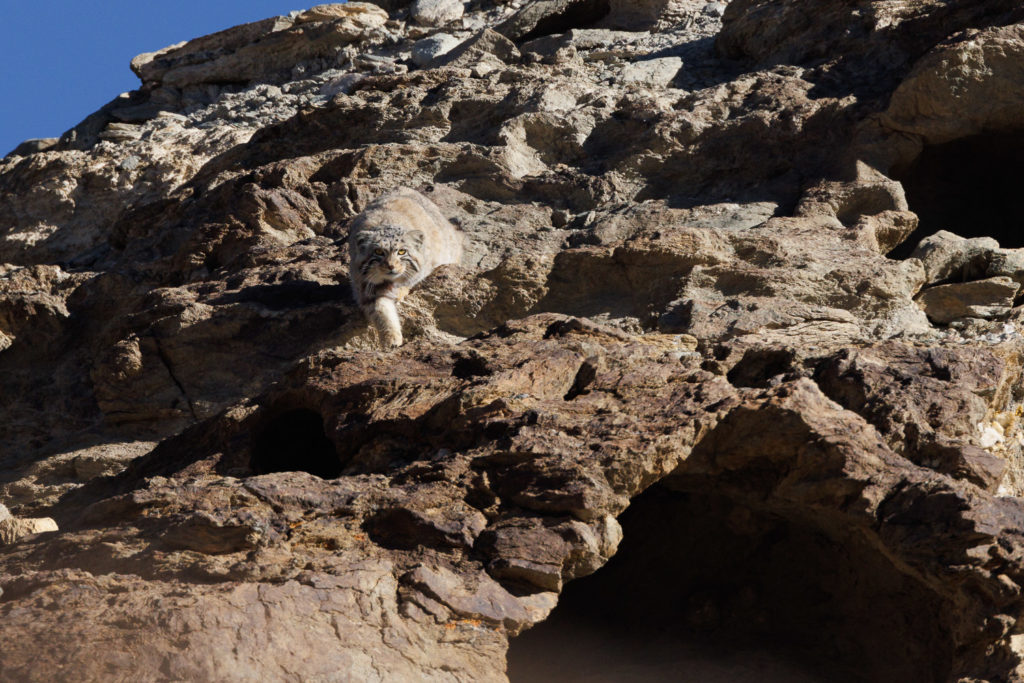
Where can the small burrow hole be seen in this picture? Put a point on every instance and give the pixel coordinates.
(580, 14)
(471, 364)
(969, 187)
(295, 441)
(761, 368)
(704, 589)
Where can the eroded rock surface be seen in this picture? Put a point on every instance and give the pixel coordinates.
(690, 271)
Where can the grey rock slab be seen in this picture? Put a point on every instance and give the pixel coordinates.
(654, 72)
(427, 49)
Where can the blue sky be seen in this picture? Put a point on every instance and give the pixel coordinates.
(62, 60)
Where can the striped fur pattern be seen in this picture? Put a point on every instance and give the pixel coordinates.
(395, 243)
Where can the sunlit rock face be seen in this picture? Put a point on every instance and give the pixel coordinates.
(728, 379)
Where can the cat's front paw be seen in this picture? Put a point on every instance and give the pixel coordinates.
(392, 339)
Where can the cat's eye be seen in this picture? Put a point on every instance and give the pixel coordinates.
(401, 252)
(378, 252)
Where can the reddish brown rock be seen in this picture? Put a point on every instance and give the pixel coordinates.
(676, 355)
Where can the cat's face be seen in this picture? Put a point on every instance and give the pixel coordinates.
(389, 256)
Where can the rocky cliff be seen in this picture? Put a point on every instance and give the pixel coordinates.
(737, 316)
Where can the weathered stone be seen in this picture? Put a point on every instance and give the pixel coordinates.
(790, 31)
(988, 298)
(470, 51)
(342, 85)
(334, 11)
(939, 401)
(152, 66)
(13, 529)
(674, 289)
(259, 49)
(33, 146)
(426, 49)
(871, 194)
(655, 72)
(950, 257)
(1008, 262)
(489, 602)
(436, 12)
(963, 87)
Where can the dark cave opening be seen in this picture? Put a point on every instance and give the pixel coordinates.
(703, 589)
(295, 441)
(969, 187)
(580, 14)
(761, 368)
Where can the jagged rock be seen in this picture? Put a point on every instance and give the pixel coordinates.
(331, 12)
(989, 298)
(33, 146)
(940, 403)
(791, 31)
(253, 51)
(510, 381)
(436, 12)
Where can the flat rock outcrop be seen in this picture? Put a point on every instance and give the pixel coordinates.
(701, 290)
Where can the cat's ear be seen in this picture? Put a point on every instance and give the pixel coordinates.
(415, 238)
